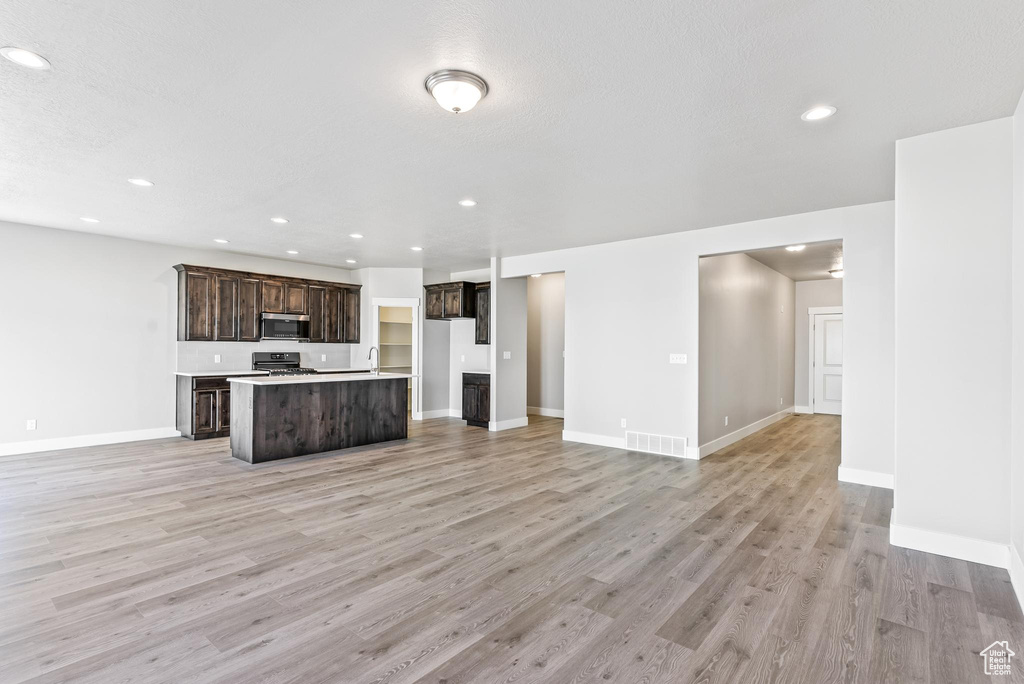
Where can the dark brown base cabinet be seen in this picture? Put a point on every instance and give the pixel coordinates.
(216, 304)
(476, 399)
(203, 407)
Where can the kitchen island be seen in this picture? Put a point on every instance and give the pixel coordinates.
(282, 417)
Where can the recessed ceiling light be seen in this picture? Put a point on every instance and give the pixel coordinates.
(416, 249)
(220, 241)
(292, 251)
(836, 273)
(535, 275)
(819, 112)
(25, 58)
(89, 219)
(350, 261)
(796, 248)
(456, 91)
(278, 219)
(357, 236)
(141, 182)
(467, 203)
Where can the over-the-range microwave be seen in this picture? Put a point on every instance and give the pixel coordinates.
(277, 326)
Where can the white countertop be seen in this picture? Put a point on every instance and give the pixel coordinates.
(323, 377)
(478, 372)
(218, 374)
(228, 374)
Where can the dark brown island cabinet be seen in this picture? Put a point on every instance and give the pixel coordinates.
(218, 305)
(476, 399)
(451, 301)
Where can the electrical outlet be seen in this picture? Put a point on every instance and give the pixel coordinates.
(623, 422)
(780, 401)
(782, 309)
(677, 358)
(506, 355)
(216, 358)
(463, 357)
(727, 421)
(30, 424)
(323, 357)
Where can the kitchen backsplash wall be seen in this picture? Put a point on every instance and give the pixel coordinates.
(199, 356)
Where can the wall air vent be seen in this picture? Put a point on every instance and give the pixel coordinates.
(656, 444)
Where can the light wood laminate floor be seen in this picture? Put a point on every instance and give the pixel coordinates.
(468, 556)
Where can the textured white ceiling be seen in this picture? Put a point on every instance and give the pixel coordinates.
(605, 120)
(813, 263)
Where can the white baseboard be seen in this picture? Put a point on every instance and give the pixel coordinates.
(865, 477)
(35, 446)
(802, 409)
(596, 440)
(732, 437)
(437, 413)
(693, 453)
(951, 545)
(499, 425)
(541, 411)
(1017, 574)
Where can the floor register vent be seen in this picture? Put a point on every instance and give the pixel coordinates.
(656, 444)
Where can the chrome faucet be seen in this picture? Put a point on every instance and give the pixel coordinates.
(369, 357)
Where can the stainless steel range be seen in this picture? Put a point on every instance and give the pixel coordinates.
(280, 363)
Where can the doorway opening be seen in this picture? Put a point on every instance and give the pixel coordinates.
(545, 345)
(770, 338)
(397, 338)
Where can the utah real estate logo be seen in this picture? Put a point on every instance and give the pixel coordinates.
(997, 658)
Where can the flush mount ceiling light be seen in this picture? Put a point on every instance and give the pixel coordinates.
(357, 236)
(292, 251)
(416, 249)
(535, 275)
(89, 219)
(818, 113)
(278, 219)
(836, 273)
(350, 261)
(141, 182)
(796, 248)
(456, 91)
(220, 241)
(25, 58)
(467, 203)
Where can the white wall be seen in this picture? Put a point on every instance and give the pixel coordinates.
(508, 334)
(745, 344)
(97, 349)
(545, 342)
(953, 333)
(436, 353)
(466, 355)
(626, 316)
(1017, 378)
(810, 293)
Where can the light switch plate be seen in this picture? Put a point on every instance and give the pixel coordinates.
(216, 358)
(463, 357)
(727, 421)
(323, 357)
(677, 358)
(506, 355)
(30, 424)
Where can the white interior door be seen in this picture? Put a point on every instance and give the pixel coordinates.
(828, 363)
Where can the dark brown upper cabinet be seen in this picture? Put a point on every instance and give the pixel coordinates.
(317, 299)
(351, 332)
(250, 306)
(227, 308)
(445, 301)
(483, 313)
(222, 305)
(196, 303)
